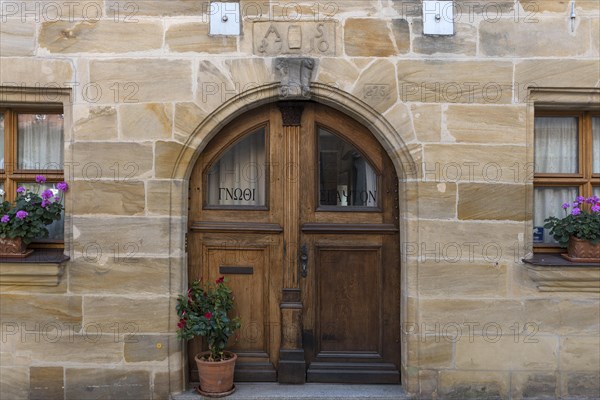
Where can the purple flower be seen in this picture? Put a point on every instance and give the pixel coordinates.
(20, 189)
(22, 214)
(580, 199)
(596, 208)
(45, 203)
(46, 194)
(5, 219)
(575, 211)
(63, 186)
(575, 204)
(590, 200)
(566, 205)
(40, 179)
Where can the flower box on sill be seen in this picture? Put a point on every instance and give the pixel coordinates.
(578, 230)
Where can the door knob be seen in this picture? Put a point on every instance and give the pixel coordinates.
(303, 261)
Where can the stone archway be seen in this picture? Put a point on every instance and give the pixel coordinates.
(400, 153)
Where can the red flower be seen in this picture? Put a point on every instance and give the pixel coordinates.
(208, 315)
(181, 323)
(220, 280)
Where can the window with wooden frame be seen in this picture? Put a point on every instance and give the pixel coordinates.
(31, 144)
(567, 165)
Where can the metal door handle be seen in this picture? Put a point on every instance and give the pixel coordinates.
(303, 261)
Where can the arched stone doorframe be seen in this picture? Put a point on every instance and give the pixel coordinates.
(407, 170)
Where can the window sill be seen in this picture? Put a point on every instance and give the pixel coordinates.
(44, 267)
(552, 273)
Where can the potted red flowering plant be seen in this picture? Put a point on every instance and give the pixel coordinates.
(579, 229)
(204, 311)
(26, 219)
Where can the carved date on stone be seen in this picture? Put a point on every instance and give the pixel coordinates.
(304, 37)
(376, 91)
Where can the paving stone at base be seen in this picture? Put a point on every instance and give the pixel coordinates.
(92, 383)
(274, 391)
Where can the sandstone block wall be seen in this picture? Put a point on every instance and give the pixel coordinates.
(147, 83)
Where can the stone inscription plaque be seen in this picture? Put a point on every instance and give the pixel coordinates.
(271, 38)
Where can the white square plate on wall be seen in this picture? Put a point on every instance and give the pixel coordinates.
(438, 17)
(225, 18)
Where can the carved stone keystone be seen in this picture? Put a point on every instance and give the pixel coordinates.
(295, 75)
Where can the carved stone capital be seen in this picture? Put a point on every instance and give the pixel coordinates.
(295, 75)
(291, 112)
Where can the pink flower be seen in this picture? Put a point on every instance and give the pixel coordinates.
(62, 186)
(46, 194)
(181, 323)
(208, 315)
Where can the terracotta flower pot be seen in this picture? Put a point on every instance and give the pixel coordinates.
(13, 248)
(216, 376)
(581, 250)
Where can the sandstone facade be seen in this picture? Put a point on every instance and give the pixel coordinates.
(149, 88)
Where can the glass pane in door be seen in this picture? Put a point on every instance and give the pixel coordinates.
(238, 178)
(346, 177)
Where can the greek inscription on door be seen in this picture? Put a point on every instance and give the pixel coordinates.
(306, 38)
(237, 194)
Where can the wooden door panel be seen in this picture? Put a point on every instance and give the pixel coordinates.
(245, 270)
(247, 260)
(247, 254)
(351, 325)
(348, 302)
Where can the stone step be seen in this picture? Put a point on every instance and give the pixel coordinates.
(309, 391)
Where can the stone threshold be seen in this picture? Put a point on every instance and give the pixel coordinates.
(322, 391)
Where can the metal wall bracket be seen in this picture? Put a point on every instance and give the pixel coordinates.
(573, 16)
(225, 18)
(438, 17)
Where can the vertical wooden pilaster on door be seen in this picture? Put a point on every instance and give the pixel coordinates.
(292, 366)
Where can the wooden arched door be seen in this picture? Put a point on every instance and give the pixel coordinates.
(296, 204)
